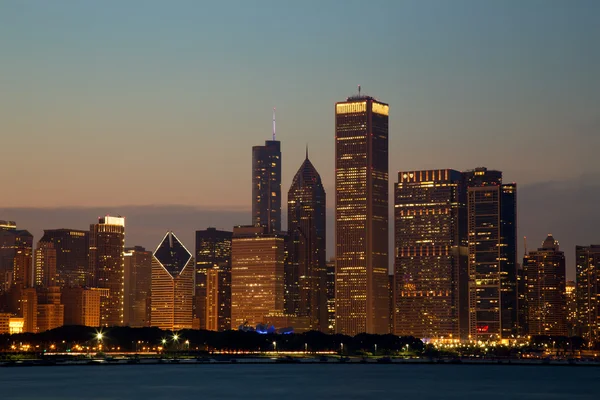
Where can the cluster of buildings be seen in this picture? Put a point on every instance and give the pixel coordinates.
(456, 273)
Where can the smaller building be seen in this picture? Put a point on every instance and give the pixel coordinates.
(81, 306)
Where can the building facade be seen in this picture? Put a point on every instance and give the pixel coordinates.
(72, 256)
(107, 263)
(81, 306)
(172, 285)
(570, 295)
(587, 292)
(138, 284)
(361, 216)
(492, 210)
(16, 257)
(266, 184)
(431, 279)
(257, 275)
(45, 265)
(213, 256)
(50, 310)
(545, 287)
(306, 284)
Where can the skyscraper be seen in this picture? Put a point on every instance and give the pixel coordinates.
(72, 256)
(571, 308)
(81, 306)
(587, 292)
(545, 279)
(257, 275)
(331, 296)
(138, 283)
(266, 184)
(307, 281)
(107, 248)
(492, 211)
(431, 255)
(50, 310)
(172, 285)
(361, 216)
(213, 255)
(16, 257)
(45, 264)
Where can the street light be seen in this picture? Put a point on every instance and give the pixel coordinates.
(274, 346)
(375, 348)
(306, 347)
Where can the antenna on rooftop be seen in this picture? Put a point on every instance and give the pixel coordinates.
(358, 90)
(273, 123)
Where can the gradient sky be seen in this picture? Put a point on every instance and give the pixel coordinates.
(111, 103)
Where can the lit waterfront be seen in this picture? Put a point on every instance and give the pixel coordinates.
(299, 382)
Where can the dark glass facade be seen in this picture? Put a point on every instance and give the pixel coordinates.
(138, 283)
(361, 216)
(587, 292)
(72, 256)
(266, 185)
(431, 255)
(306, 284)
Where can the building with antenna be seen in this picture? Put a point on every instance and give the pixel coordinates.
(266, 184)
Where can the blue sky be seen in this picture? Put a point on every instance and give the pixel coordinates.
(111, 103)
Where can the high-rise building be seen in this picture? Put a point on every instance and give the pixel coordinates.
(16, 257)
(50, 310)
(45, 265)
(307, 283)
(361, 216)
(107, 249)
(213, 255)
(7, 253)
(172, 285)
(492, 211)
(571, 308)
(545, 280)
(587, 292)
(81, 306)
(331, 295)
(257, 275)
(266, 184)
(138, 283)
(72, 256)
(522, 316)
(29, 309)
(430, 297)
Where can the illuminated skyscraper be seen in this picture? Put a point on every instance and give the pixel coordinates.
(545, 280)
(50, 310)
(307, 281)
(45, 264)
(361, 216)
(331, 296)
(107, 248)
(266, 184)
(571, 308)
(72, 256)
(492, 212)
(138, 283)
(16, 256)
(587, 292)
(172, 285)
(213, 255)
(257, 275)
(431, 255)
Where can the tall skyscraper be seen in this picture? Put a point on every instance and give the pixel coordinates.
(45, 265)
(492, 211)
(172, 285)
(431, 255)
(16, 256)
(545, 279)
(257, 275)
(587, 292)
(72, 256)
(361, 216)
(213, 256)
(571, 308)
(266, 184)
(331, 296)
(107, 248)
(307, 281)
(138, 283)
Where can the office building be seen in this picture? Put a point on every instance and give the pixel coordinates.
(361, 216)
(257, 275)
(545, 280)
(50, 310)
(81, 306)
(306, 285)
(29, 309)
(492, 211)
(571, 308)
(587, 292)
(213, 256)
(266, 184)
(107, 248)
(16, 257)
(172, 285)
(431, 255)
(72, 256)
(138, 283)
(45, 265)
(331, 295)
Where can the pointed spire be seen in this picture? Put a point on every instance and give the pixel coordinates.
(273, 123)
(307, 151)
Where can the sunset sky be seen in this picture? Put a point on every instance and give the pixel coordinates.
(113, 105)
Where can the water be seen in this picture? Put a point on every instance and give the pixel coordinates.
(294, 381)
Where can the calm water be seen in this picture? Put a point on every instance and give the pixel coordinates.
(293, 381)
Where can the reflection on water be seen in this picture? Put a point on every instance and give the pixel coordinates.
(294, 381)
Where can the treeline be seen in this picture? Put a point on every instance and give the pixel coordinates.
(134, 339)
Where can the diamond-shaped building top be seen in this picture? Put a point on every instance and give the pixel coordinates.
(172, 255)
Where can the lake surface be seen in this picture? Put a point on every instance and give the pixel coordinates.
(294, 381)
